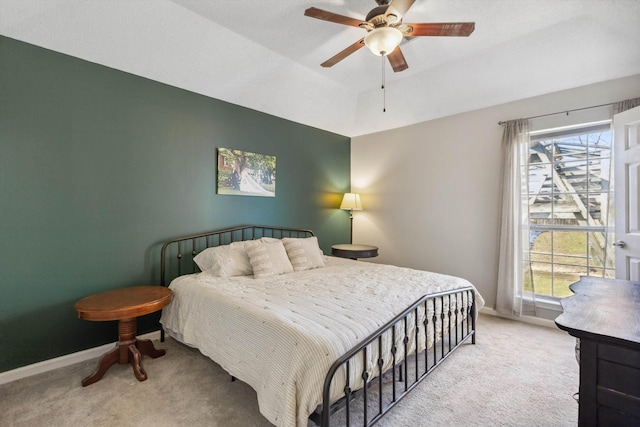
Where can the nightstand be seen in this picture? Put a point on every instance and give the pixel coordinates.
(354, 251)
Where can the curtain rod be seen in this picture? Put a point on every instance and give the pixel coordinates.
(564, 112)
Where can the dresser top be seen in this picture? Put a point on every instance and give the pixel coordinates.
(603, 309)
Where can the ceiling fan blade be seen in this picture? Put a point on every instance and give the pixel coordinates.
(397, 61)
(399, 7)
(314, 12)
(346, 52)
(458, 29)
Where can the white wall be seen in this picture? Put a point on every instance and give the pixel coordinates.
(431, 191)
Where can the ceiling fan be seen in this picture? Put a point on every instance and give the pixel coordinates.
(385, 30)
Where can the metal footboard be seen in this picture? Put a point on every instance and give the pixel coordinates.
(448, 317)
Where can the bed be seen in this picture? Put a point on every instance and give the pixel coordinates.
(320, 338)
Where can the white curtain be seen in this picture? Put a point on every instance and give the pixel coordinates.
(514, 228)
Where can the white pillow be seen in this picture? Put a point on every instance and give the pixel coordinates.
(268, 239)
(268, 259)
(225, 261)
(304, 253)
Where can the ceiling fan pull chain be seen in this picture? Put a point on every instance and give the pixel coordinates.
(384, 88)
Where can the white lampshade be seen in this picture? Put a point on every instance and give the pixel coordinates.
(351, 201)
(383, 40)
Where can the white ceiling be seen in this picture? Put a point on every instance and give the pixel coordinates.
(266, 55)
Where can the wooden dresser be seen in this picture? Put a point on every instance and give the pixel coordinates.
(604, 314)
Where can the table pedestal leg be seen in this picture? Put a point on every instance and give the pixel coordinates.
(106, 361)
(128, 350)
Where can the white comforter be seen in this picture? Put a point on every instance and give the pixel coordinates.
(281, 334)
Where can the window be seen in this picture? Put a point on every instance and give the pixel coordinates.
(570, 194)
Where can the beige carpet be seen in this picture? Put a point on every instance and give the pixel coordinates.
(516, 375)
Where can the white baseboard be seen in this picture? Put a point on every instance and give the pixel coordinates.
(526, 319)
(62, 361)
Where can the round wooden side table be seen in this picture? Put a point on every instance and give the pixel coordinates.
(354, 251)
(124, 305)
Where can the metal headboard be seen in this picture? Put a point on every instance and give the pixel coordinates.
(177, 254)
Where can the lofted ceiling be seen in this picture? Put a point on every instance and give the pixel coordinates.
(266, 55)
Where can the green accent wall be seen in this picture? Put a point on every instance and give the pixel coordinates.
(98, 167)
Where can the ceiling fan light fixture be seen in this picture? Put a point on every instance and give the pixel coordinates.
(383, 40)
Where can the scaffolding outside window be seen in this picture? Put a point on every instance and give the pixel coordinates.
(571, 219)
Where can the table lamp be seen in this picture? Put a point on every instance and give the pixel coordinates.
(351, 202)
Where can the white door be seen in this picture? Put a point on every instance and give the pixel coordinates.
(626, 128)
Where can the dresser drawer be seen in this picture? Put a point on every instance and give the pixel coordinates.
(619, 354)
(621, 378)
(618, 385)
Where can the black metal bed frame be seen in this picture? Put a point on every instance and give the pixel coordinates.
(454, 327)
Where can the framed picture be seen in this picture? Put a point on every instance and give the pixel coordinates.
(245, 173)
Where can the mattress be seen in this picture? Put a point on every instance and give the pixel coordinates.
(280, 334)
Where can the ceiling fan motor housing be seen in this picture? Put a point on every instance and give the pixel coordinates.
(377, 17)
